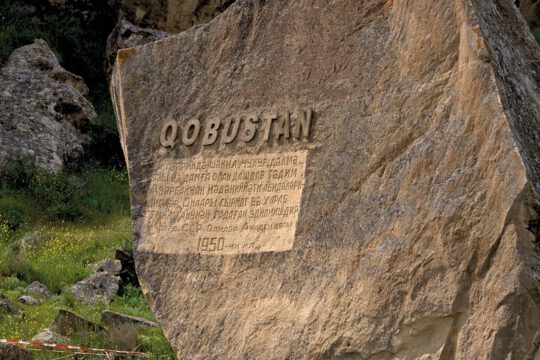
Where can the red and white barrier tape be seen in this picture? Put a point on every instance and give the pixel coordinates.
(72, 348)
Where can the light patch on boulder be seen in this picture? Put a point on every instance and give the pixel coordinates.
(111, 266)
(49, 336)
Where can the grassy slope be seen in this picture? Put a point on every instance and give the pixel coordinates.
(72, 227)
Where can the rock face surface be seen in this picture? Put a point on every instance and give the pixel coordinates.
(339, 179)
(43, 111)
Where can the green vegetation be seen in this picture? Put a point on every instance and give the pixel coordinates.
(536, 33)
(52, 228)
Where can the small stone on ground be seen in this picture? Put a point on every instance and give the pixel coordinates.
(39, 289)
(28, 300)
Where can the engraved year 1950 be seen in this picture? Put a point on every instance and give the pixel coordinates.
(213, 244)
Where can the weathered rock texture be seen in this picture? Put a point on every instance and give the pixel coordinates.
(39, 289)
(43, 111)
(413, 239)
(98, 288)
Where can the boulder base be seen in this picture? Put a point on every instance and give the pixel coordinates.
(346, 179)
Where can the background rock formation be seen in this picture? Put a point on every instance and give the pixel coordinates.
(170, 15)
(413, 239)
(43, 111)
(126, 35)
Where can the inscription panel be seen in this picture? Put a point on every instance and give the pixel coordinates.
(224, 205)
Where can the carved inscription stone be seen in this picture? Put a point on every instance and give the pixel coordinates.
(224, 205)
(338, 179)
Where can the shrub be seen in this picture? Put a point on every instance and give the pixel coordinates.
(12, 212)
(10, 283)
(68, 196)
(6, 232)
(18, 27)
(536, 33)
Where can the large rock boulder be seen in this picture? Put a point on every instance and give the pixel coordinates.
(43, 111)
(339, 179)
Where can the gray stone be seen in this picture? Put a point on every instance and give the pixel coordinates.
(112, 266)
(97, 288)
(338, 180)
(7, 306)
(69, 324)
(48, 336)
(28, 300)
(38, 289)
(43, 111)
(111, 319)
(14, 352)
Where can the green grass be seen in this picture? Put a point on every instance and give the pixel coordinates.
(33, 319)
(64, 257)
(52, 229)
